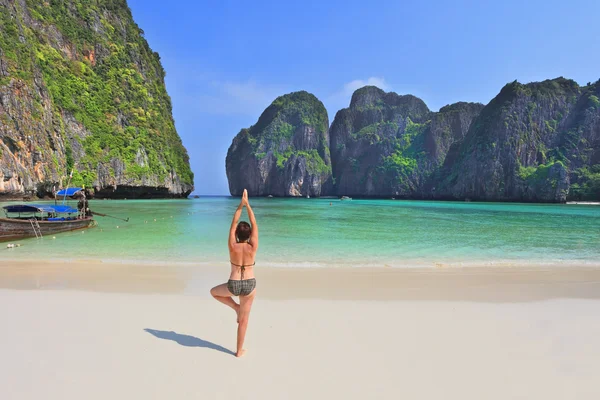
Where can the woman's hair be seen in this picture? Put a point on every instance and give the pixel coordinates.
(243, 231)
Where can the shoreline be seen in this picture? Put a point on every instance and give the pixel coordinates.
(405, 264)
(485, 284)
(24, 198)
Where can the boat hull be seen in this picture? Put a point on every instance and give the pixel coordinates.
(11, 229)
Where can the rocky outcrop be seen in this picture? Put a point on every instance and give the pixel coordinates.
(538, 142)
(387, 145)
(535, 142)
(286, 153)
(80, 90)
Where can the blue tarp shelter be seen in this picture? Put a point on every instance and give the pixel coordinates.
(68, 192)
(33, 208)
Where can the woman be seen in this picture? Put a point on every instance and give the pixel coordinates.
(243, 243)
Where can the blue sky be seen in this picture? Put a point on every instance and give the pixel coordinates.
(227, 60)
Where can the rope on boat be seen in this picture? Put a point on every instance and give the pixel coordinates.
(110, 216)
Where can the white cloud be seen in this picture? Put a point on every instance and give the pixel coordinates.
(237, 98)
(250, 98)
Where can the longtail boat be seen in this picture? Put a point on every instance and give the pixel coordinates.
(38, 220)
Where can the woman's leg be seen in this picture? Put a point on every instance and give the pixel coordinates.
(244, 313)
(223, 294)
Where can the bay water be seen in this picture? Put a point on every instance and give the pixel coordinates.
(329, 232)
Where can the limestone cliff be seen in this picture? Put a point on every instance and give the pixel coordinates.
(387, 145)
(533, 142)
(537, 142)
(286, 153)
(80, 89)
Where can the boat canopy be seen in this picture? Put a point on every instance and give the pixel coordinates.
(68, 192)
(47, 208)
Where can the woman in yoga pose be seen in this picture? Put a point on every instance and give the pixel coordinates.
(243, 243)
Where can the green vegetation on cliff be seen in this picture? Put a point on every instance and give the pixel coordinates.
(375, 133)
(314, 162)
(539, 175)
(587, 186)
(311, 111)
(97, 67)
(408, 152)
(280, 121)
(286, 114)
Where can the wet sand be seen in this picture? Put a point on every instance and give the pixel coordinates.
(517, 284)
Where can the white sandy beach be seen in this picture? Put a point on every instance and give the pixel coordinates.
(505, 334)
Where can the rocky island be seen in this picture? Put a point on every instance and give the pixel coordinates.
(286, 153)
(533, 142)
(536, 142)
(81, 91)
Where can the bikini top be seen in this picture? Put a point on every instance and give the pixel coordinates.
(243, 267)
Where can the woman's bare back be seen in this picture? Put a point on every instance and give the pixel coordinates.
(241, 256)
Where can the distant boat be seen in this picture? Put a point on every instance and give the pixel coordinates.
(346, 198)
(308, 196)
(270, 196)
(196, 196)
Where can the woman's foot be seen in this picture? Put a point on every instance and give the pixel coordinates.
(240, 353)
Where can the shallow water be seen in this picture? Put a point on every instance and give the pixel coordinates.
(312, 233)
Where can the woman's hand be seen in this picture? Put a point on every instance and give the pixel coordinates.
(244, 199)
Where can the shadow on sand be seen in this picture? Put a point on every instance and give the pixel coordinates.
(187, 340)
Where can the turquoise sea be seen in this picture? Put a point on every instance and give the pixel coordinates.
(329, 232)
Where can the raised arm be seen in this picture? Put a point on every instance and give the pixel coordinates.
(254, 236)
(234, 222)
